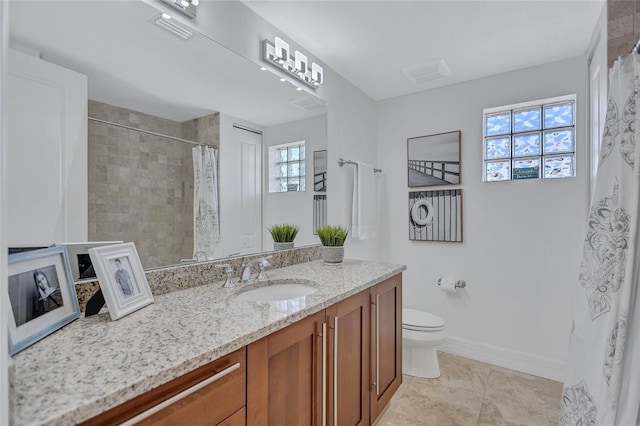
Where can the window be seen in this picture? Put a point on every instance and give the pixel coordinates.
(287, 167)
(534, 140)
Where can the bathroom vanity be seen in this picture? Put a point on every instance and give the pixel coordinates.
(330, 357)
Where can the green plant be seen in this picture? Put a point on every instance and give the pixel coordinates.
(332, 236)
(284, 233)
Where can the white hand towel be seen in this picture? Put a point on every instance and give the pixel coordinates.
(363, 213)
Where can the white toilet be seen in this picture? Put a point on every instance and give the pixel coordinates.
(422, 332)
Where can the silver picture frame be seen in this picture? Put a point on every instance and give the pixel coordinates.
(42, 295)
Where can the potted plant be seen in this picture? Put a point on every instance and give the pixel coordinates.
(283, 236)
(332, 239)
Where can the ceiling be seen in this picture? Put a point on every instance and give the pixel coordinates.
(370, 42)
(132, 63)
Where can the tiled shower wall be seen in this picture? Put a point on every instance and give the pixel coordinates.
(141, 186)
(623, 27)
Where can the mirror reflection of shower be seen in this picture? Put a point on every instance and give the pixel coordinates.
(142, 166)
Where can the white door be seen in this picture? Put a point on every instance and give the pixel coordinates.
(46, 153)
(241, 193)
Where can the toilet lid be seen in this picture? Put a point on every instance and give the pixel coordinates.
(413, 319)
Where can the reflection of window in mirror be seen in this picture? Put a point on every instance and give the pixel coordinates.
(287, 167)
(320, 171)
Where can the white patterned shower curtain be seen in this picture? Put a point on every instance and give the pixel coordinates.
(206, 223)
(603, 381)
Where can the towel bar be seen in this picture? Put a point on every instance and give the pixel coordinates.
(342, 162)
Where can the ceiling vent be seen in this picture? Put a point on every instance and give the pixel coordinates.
(427, 71)
(308, 103)
(164, 21)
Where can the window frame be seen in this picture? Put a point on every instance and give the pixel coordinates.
(274, 180)
(542, 155)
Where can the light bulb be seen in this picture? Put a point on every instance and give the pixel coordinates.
(184, 3)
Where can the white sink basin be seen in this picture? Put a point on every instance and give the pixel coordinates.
(273, 292)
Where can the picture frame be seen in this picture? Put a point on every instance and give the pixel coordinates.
(434, 160)
(42, 295)
(435, 215)
(121, 277)
(320, 171)
(79, 259)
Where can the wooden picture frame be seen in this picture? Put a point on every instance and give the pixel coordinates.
(42, 295)
(122, 278)
(434, 160)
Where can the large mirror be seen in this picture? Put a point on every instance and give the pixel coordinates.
(155, 95)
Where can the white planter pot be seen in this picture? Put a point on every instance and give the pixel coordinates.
(282, 246)
(332, 255)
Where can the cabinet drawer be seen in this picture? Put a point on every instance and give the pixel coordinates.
(205, 396)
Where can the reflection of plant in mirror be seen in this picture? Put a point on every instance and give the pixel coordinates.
(332, 236)
(284, 233)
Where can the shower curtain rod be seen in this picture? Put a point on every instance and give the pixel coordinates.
(342, 162)
(124, 126)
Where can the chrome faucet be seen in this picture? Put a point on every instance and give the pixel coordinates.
(229, 271)
(245, 274)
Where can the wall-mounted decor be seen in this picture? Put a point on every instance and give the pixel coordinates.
(434, 159)
(42, 295)
(435, 215)
(319, 212)
(122, 279)
(320, 171)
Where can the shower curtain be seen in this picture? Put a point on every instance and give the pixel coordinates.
(603, 382)
(206, 224)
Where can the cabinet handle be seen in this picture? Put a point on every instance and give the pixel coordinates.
(151, 411)
(335, 372)
(377, 344)
(324, 374)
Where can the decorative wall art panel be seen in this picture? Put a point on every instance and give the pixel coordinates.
(435, 159)
(435, 215)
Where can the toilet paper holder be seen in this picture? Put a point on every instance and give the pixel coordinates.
(459, 283)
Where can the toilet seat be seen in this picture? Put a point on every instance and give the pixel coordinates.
(416, 320)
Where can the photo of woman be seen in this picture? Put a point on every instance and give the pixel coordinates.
(33, 293)
(48, 297)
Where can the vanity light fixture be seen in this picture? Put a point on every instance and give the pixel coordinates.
(278, 54)
(186, 7)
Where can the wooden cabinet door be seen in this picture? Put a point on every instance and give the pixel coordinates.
(286, 375)
(386, 342)
(348, 380)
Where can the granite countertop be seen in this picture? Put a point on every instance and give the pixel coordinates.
(94, 364)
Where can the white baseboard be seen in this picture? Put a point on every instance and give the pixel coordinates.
(502, 357)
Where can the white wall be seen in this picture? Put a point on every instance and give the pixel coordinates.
(292, 207)
(522, 240)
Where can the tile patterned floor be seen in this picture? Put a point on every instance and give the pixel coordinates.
(472, 393)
